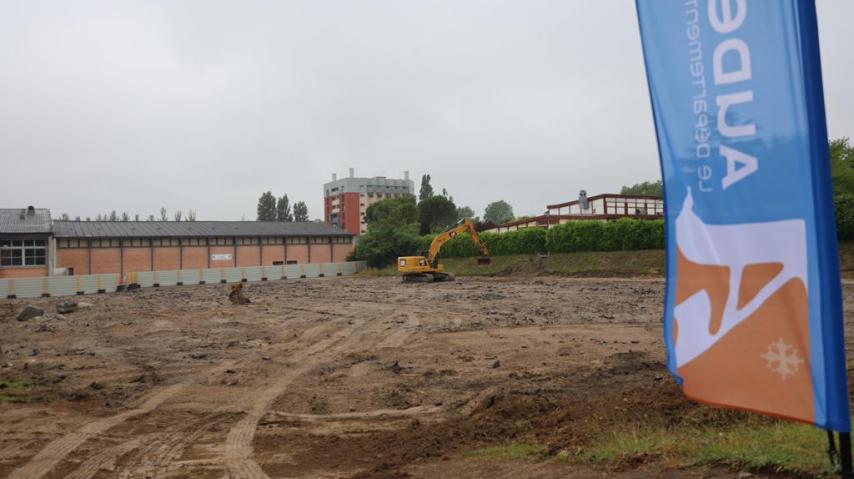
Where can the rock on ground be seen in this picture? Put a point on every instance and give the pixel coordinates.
(65, 307)
(29, 312)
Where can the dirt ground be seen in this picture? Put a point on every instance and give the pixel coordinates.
(329, 378)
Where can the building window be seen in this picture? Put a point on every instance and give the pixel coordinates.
(22, 252)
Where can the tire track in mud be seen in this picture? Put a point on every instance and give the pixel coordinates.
(158, 458)
(46, 459)
(162, 448)
(155, 458)
(239, 447)
(365, 415)
(104, 459)
(404, 331)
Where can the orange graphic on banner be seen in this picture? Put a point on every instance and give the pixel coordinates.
(763, 362)
(740, 320)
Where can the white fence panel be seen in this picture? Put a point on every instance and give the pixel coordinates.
(232, 275)
(62, 285)
(145, 278)
(274, 272)
(253, 273)
(348, 268)
(212, 275)
(26, 287)
(166, 278)
(189, 276)
(311, 270)
(293, 271)
(109, 283)
(91, 284)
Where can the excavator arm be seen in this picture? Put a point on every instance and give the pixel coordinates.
(463, 226)
(427, 268)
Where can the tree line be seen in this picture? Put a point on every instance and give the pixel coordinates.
(177, 215)
(842, 176)
(271, 208)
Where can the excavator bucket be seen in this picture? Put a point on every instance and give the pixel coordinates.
(484, 260)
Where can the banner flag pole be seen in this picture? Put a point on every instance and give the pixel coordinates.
(845, 455)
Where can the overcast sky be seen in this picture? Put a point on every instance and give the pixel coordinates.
(200, 104)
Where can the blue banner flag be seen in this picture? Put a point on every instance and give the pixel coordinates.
(753, 308)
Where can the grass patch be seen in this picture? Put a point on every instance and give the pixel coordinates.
(510, 450)
(14, 391)
(756, 445)
(581, 264)
(611, 263)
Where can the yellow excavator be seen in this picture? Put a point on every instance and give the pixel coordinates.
(427, 268)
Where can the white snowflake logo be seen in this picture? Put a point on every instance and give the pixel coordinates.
(782, 358)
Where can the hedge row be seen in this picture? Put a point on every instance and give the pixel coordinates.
(623, 234)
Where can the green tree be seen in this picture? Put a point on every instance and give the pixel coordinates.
(464, 212)
(426, 189)
(267, 207)
(283, 209)
(113, 216)
(394, 212)
(383, 243)
(842, 177)
(842, 166)
(498, 212)
(650, 188)
(300, 211)
(436, 213)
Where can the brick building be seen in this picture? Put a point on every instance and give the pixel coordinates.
(25, 242)
(36, 246)
(607, 206)
(346, 200)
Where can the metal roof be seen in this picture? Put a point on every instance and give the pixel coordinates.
(184, 229)
(24, 220)
(606, 195)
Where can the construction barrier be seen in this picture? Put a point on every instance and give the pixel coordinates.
(106, 283)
